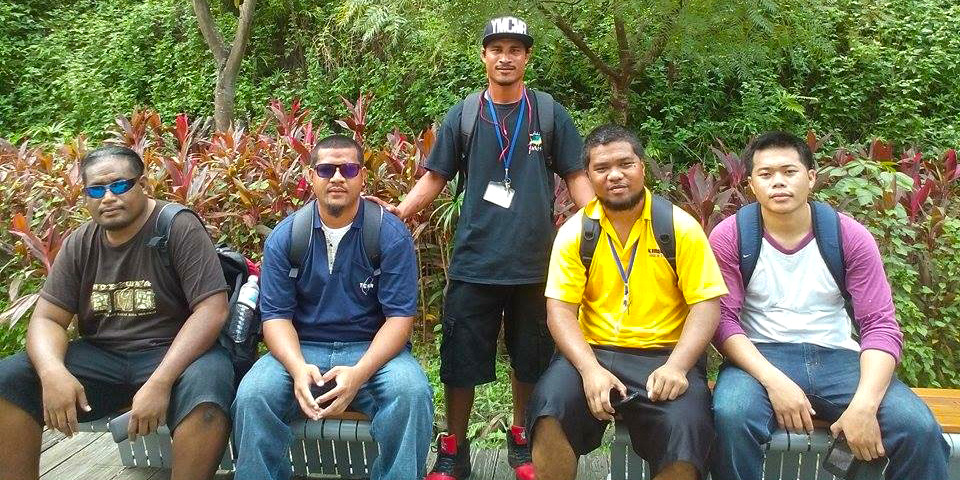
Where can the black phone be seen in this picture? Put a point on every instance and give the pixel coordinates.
(617, 402)
(317, 390)
(840, 460)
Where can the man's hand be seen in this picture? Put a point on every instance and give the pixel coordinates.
(302, 379)
(666, 383)
(790, 404)
(349, 380)
(386, 206)
(62, 394)
(149, 409)
(862, 430)
(597, 384)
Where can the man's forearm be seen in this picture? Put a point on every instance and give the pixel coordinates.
(565, 329)
(581, 191)
(740, 351)
(196, 336)
(284, 344)
(389, 341)
(422, 194)
(46, 344)
(698, 329)
(876, 370)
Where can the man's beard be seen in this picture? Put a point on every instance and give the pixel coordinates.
(334, 210)
(625, 204)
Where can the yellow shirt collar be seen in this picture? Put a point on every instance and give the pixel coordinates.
(594, 209)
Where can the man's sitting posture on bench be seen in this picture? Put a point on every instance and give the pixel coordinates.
(795, 269)
(339, 293)
(647, 309)
(147, 331)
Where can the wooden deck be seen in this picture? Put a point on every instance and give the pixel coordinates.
(93, 456)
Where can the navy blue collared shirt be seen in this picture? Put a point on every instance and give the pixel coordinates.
(329, 307)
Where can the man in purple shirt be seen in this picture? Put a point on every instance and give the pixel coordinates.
(787, 337)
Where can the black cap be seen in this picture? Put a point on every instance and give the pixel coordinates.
(507, 27)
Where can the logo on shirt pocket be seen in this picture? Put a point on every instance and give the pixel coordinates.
(366, 286)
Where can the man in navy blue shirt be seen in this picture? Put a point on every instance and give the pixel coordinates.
(338, 321)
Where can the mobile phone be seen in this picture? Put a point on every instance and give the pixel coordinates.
(317, 390)
(840, 460)
(617, 402)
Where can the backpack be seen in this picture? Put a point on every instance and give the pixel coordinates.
(302, 233)
(236, 268)
(472, 105)
(661, 211)
(826, 230)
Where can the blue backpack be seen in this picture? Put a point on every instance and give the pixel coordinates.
(826, 229)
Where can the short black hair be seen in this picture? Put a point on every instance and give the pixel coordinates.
(609, 133)
(778, 140)
(336, 141)
(110, 152)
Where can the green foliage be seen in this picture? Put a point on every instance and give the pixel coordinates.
(857, 68)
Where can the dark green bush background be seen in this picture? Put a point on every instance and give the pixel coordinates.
(872, 68)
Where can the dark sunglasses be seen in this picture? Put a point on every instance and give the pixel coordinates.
(117, 188)
(328, 170)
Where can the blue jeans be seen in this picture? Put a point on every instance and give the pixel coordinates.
(397, 398)
(745, 420)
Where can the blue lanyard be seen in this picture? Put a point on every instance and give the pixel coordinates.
(508, 150)
(624, 275)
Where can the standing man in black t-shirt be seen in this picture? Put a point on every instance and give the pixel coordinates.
(503, 238)
(147, 331)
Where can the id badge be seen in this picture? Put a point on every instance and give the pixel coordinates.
(499, 194)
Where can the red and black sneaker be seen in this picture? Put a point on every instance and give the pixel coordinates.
(453, 460)
(518, 453)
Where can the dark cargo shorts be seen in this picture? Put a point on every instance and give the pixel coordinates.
(110, 379)
(472, 316)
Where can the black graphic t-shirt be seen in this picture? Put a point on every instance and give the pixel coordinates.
(492, 244)
(124, 296)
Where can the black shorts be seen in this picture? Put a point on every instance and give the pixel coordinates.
(661, 432)
(111, 378)
(472, 316)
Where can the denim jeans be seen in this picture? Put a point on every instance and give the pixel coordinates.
(397, 398)
(911, 437)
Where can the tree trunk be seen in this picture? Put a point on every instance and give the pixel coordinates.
(224, 99)
(620, 101)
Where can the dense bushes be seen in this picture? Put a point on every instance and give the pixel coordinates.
(245, 181)
(879, 69)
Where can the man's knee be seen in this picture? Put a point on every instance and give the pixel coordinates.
(206, 415)
(548, 433)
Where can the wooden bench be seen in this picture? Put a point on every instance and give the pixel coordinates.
(340, 447)
(798, 456)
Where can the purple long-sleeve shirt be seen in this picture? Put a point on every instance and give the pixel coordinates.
(865, 277)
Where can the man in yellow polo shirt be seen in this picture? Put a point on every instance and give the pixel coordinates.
(631, 326)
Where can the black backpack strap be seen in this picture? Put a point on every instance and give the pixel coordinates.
(826, 229)
(545, 106)
(301, 233)
(589, 237)
(749, 238)
(161, 232)
(372, 219)
(661, 210)
(468, 123)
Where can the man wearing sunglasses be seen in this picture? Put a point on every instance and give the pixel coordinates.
(147, 331)
(338, 330)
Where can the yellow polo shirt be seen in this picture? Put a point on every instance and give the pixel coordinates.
(659, 297)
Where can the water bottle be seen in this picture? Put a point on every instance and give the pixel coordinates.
(244, 310)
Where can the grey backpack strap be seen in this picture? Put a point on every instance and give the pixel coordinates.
(372, 219)
(589, 237)
(662, 212)
(545, 106)
(161, 232)
(468, 123)
(300, 235)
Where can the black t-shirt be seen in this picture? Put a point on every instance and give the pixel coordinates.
(496, 245)
(124, 296)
